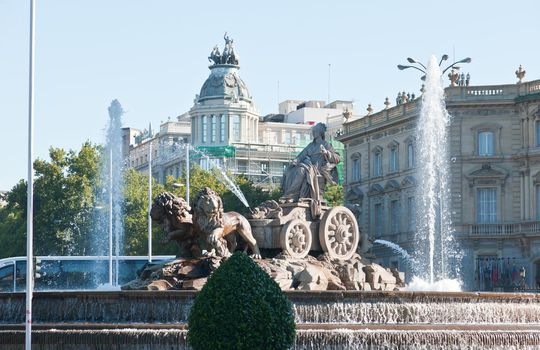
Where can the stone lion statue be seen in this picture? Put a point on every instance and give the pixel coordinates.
(216, 226)
(173, 214)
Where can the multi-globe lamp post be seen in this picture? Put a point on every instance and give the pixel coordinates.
(415, 64)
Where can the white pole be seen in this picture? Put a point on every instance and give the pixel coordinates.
(110, 217)
(30, 190)
(187, 173)
(150, 203)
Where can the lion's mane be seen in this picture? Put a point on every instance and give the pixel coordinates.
(208, 221)
(176, 209)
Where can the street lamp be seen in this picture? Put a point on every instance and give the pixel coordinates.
(423, 68)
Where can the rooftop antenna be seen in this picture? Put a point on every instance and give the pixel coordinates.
(328, 98)
(278, 92)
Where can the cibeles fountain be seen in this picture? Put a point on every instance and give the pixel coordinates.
(315, 252)
(300, 241)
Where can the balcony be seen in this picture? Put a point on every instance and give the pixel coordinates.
(491, 92)
(455, 96)
(499, 230)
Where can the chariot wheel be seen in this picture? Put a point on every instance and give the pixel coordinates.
(338, 233)
(295, 238)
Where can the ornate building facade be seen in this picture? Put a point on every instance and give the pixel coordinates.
(224, 129)
(495, 180)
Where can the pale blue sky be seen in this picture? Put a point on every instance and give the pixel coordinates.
(152, 56)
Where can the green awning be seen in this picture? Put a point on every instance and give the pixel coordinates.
(218, 151)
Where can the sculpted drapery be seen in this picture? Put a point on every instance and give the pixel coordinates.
(300, 179)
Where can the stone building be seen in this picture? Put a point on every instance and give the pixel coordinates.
(225, 129)
(168, 158)
(495, 180)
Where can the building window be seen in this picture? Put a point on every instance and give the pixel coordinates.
(394, 165)
(236, 128)
(222, 128)
(486, 204)
(410, 155)
(297, 138)
(204, 162)
(287, 137)
(378, 219)
(272, 137)
(356, 174)
(538, 202)
(242, 166)
(395, 209)
(213, 130)
(538, 134)
(485, 143)
(377, 164)
(204, 128)
(264, 167)
(411, 204)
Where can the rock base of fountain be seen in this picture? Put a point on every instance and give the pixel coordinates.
(309, 273)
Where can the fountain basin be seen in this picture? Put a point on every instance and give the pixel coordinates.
(325, 320)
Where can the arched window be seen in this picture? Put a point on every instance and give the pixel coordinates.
(538, 134)
(410, 155)
(222, 129)
(378, 219)
(204, 128)
(393, 157)
(356, 167)
(213, 129)
(537, 202)
(377, 162)
(395, 215)
(236, 127)
(394, 164)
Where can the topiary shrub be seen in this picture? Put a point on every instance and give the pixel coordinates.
(241, 307)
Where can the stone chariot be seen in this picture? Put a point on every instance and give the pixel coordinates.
(293, 228)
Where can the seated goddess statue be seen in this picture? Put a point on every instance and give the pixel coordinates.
(317, 160)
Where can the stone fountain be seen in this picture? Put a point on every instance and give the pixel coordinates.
(341, 299)
(300, 241)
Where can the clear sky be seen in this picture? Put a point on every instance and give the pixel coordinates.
(152, 57)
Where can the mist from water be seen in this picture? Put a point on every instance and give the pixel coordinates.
(436, 254)
(221, 175)
(110, 214)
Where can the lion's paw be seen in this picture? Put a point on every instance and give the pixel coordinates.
(256, 256)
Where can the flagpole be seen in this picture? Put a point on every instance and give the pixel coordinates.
(30, 189)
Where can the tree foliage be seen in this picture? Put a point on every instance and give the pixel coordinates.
(241, 307)
(136, 216)
(67, 191)
(333, 194)
(64, 201)
(200, 178)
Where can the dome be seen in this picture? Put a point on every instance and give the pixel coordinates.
(224, 83)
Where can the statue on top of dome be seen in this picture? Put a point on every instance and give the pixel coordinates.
(228, 56)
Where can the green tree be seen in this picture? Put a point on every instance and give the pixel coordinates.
(13, 222)
(64, 201)
(253, 194)
(241, 307)
(136, 216)
(333, 194)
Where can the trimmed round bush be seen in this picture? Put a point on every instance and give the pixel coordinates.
(241, 307)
